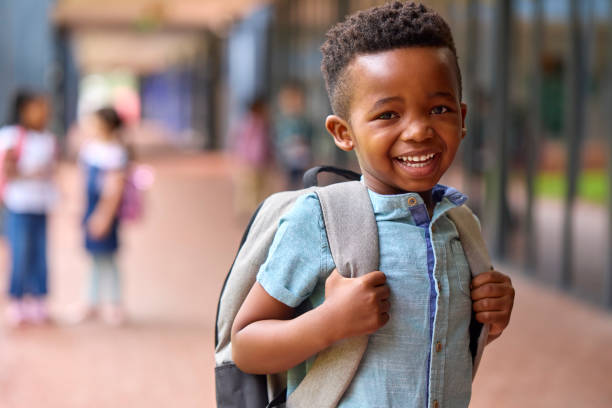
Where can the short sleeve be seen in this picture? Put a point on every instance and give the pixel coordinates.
(111, 156)
(299, 257)
(7, 137)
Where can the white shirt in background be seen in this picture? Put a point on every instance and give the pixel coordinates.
(37, 195)
(104, 155)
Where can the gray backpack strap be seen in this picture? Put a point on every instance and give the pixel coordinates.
(353, 240)
(477, 256)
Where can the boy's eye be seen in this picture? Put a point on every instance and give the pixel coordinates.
(439, 110)
(387, 115)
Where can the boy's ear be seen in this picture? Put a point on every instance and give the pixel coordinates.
(463, 115)
(339, 129)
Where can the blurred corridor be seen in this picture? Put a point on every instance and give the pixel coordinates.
(183, 74)
(554, 353)
(173, 270)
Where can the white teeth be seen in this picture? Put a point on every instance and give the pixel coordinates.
(416, 159)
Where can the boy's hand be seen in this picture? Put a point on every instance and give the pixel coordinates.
(356, 306)
(492, 301)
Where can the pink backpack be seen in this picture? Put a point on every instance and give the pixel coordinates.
(139, 179)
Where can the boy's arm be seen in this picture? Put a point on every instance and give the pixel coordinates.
(267, 338)
(493, 299)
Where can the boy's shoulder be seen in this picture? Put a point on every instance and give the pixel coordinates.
(295, 208)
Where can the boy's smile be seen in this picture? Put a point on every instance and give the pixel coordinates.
(406, 120)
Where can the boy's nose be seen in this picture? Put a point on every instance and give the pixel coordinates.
(417, 131)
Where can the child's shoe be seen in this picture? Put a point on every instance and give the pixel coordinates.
(36, 311)
(113, 315)
(85, 315)
(15, 315)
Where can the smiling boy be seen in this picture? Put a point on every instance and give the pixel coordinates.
(395, 88)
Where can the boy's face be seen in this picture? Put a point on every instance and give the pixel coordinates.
(406, 119)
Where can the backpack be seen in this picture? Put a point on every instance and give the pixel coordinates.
(353, 239)
(138, 179)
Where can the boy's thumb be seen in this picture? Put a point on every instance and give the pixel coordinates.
(334, 277)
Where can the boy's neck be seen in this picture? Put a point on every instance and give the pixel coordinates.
(427, 197)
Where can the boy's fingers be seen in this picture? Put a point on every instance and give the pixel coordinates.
(491, 317)
(492, 290)
(384, 318)
(375, 278)
(385, 305)
(383, 292)
(489, 277)
(490, 305)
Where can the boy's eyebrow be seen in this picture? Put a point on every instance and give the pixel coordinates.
(444, 94)
(383, 101)
(380, 102)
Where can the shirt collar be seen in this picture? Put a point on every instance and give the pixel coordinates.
(411, 205)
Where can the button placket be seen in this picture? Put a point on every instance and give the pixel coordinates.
(441, 323)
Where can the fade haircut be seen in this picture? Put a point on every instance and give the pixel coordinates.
(391, 26)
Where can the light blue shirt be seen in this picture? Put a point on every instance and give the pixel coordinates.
(421, 356)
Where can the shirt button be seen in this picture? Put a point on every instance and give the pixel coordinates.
(435, 404)
(438, 347)
(412, 201)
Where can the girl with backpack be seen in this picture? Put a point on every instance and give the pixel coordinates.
(28, 153)
(105, 160)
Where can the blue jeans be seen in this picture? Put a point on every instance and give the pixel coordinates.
(27, 238)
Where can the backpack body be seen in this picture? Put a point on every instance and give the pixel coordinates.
(233, 387)
(139, 178)
(349, 222)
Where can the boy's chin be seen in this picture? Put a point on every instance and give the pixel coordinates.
(398, 183)
(416, 187)
(400, 187)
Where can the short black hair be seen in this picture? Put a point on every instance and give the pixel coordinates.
(21, 99)
(394, 25)
(110, 117)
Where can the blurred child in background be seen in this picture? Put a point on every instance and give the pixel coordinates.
(293, 134)
(105, 160)
(252, 148)
(29, 155)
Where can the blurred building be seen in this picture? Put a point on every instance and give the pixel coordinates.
(170, 49)
(27, 48)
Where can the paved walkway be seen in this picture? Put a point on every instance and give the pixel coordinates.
(555, 353)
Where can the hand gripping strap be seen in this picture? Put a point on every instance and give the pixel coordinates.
(478, 258)
(353, 240)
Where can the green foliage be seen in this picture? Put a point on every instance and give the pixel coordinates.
(592, 185)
